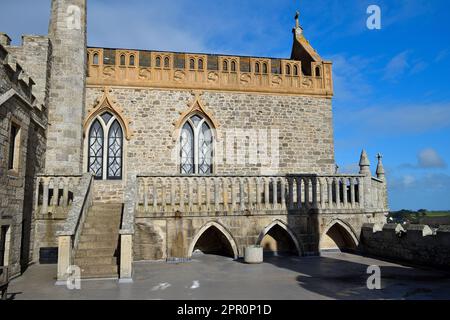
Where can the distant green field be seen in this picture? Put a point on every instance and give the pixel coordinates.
(438, 213)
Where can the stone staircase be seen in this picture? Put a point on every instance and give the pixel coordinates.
(98, 249)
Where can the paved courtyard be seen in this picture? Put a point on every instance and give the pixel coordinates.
(332, 276)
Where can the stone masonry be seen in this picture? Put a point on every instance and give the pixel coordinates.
(67, 33)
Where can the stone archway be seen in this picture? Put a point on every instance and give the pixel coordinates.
(213, 238)
(338, 236)
(277, 239)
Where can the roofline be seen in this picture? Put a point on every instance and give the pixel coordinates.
(200, 53)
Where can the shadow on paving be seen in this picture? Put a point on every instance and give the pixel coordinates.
(336, 277)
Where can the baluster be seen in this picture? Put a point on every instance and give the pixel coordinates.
(330, 192)
(322, 192)
(208, 194)
(65, 198)
(199, 195)
(352, 192)
(275, 193)
(267, 193)
(258, 193)
(337, 192)
(291, 193)
(306, 181)
(164, 194)
(298, 181)
(190, 202)
(145, 191)
(225, 193)
(216, 194)
(233, 194)
(314, 193)
(361, 194)
(283, 193)
(182, 184)
(249, 195)
(173, 194)
(344, 192)
(54, 199)
(155, 195)
(241, 194)
(45, 194)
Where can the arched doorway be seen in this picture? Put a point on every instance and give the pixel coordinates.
(214, 239)
(338, 237)
(278, 240)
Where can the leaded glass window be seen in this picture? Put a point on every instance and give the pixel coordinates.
(187, 149)
(96, 141)
(115, 141)
(196, 146)
(105, 147)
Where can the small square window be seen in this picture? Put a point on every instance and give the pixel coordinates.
(14, 146)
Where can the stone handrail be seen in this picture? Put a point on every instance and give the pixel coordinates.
(127, 230)
(248, 193)
(68, 237)
(54, 194)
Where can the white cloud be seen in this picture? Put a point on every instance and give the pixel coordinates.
(429, 158)
(397, 66)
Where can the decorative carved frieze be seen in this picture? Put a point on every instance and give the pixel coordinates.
(130, 68)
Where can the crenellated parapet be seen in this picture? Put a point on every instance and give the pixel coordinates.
(20, 82)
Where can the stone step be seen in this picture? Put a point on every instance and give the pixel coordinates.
(106, 252)
(99, 271)
(112, 237)
(89, 261)
(91, 224)
(97, 245)
(100, 230)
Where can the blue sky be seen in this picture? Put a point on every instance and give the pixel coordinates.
(391, 85)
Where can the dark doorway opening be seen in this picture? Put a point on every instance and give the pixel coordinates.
(278, 242)
(213, 241)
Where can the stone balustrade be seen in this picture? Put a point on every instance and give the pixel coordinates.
(54, 195)
(239, 194)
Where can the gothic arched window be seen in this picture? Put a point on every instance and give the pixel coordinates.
(317, 71)
(265, 68)
(200, 64)
(105, 149)
(233, 66)
(166, 62)
(196, 146)
(288, 69)
(95, 58)
(122, 60)
(295, 71)
(158, 62)
(192, 64)
(257, 69)
(132, 60)
(225, 65)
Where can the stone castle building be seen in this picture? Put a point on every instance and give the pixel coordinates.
(119, 155)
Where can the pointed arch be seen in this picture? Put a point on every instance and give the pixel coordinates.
(196, 107)
(222, 229)
(107, 104)
(346, 231)
(286, 228)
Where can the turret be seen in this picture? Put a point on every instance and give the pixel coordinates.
(67, 32)
(380, 168)
(364, 164)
